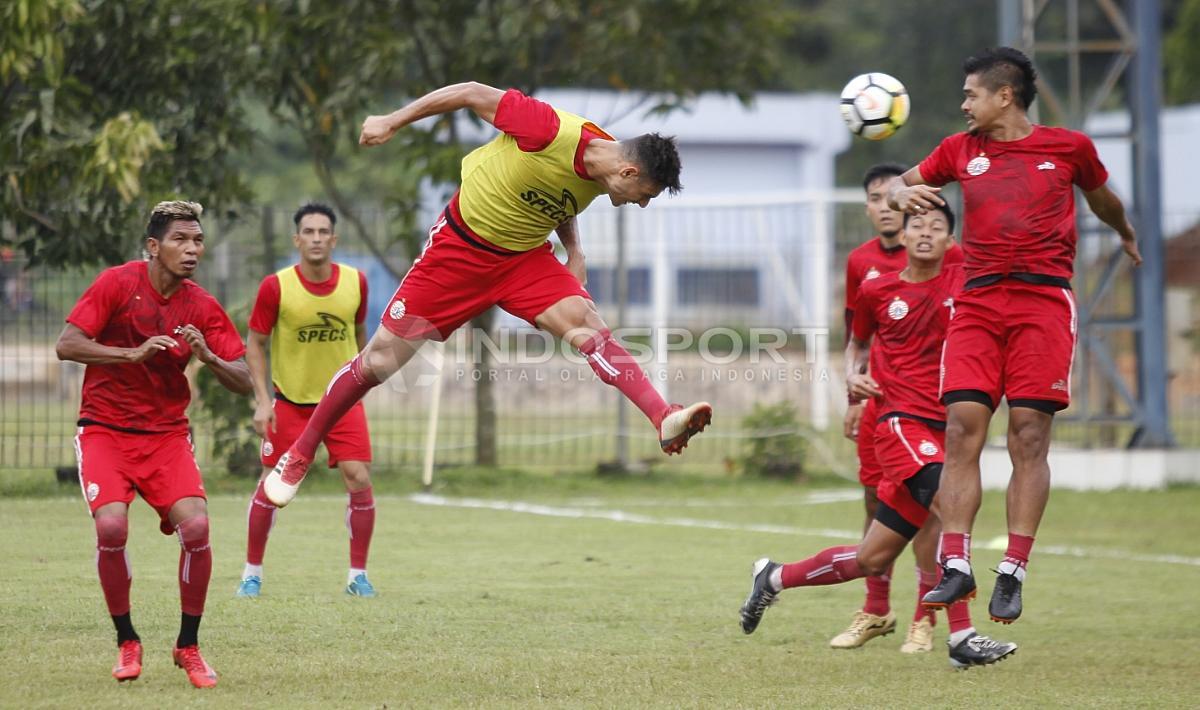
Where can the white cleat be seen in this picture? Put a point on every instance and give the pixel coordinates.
(283, 482)
(681, 424)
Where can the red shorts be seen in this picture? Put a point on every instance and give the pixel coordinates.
(1011, 339)
(869, 470)
(904, 447)
(161, 467)
(455, 280)
(348, 440)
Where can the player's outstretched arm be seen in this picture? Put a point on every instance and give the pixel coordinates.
(75, 345)
(909, 193)
(1109, 208)
(480, 98)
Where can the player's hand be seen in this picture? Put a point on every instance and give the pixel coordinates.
(576, 264)
(192, 335)
(918, 199)
(151, 347)
(863, 387)
(853, 418)
(376, 130)
(1130, 247)
(264, 419)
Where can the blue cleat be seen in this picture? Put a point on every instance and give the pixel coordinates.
(249, 587)
(360, 587)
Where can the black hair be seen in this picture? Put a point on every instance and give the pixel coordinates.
(1005, 66)
(314, 208)
(944, 209)
(882, 170)
(658, 158)
(164, 213)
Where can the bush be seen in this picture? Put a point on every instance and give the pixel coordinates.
(775, 447)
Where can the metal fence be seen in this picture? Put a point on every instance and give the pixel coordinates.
(734, 301)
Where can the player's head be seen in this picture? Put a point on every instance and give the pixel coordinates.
(998, 80)
(926, 237)
(315, 237)
(884, 219)
(174, 237)
(648, 165)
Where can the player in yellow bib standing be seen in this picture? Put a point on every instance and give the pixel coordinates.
(313, 314)
(490, 248)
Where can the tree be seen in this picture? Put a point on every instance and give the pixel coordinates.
(111, 107)
(1181, 53)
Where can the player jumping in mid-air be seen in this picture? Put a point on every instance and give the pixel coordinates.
(313, 315)
(884, 254)
(907, 312)
(490, 248)
(136, 328)
(1014, 328)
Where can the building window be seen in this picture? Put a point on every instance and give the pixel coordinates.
(602, 284)
(718, 287)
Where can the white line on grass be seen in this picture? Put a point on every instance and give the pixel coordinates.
(620, 516)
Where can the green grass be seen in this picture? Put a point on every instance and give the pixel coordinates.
(490, 608)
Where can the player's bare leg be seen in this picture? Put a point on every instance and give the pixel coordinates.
(189, 517)
(959, 496)
(112, 564)
(360, 522)
(1028, 492)
(875, 618)
(575, 320)
(383, 357)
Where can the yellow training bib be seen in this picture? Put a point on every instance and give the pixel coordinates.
(313, 335)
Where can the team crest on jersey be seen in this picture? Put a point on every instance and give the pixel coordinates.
(928, 448)
(396, 311)
(978, 166)
(897, 309)
(93, 490)
(872, 273)
(267, 449)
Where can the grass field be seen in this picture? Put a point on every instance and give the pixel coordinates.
(495, 608)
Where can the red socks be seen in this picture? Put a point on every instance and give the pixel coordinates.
(349, 384)
(260, 520)
(1018, 550)
(615, 366)
(830, 566)
(959, 615)
(360, 521)
(955, 546)
(925, 582)
(878, 590)
(112, 562)
(195, 564)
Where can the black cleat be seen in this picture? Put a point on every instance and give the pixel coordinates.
(761, 594)
(955, 587)
(1005, 606)
(976, 650)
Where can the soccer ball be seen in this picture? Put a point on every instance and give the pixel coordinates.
(874, 105)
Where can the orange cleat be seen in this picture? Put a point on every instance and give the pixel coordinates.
(129, 663)
(198, 671)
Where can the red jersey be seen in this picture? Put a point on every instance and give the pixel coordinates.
(122, 309)
(266, 305)
(872, 259)
(1018, 197)
(909, 322)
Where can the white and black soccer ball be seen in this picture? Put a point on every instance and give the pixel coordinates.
(874, 105)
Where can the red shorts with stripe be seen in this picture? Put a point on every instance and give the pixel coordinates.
(459, 275)
(1011, 339)
(869, 470)
(160, 467)
(904, 447)
(348, 440)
